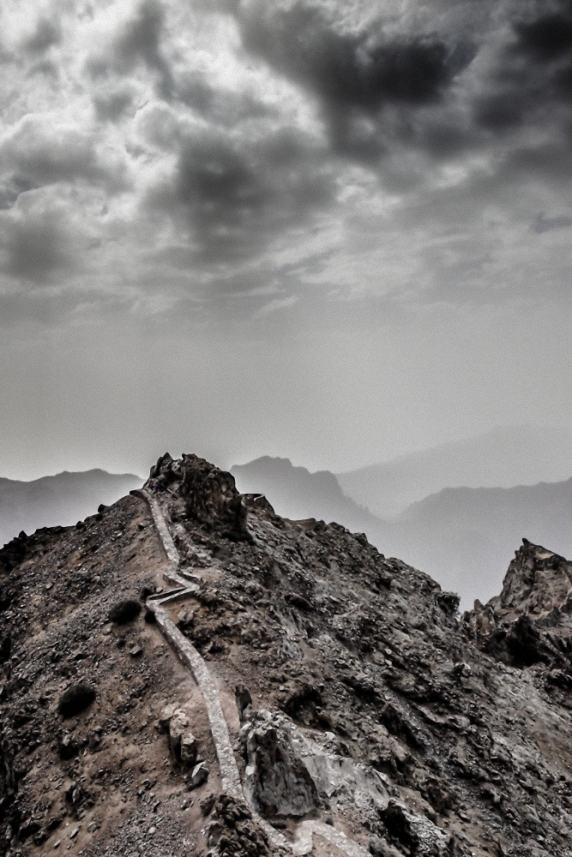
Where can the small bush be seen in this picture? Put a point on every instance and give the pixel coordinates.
(150, 617)
(124, 611)
(75, 699)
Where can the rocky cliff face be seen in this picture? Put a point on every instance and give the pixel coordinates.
(258, 686)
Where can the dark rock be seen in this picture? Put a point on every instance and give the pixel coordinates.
(529, 623)
(448, 602)
(68, 747)
(149, 617)
(524, 643)
(233, 830)
(380, 848)
(301, 701)
(199, 776)
(212, 499)
(298, 601)
(279, 781)
(5, 648)
(76, 699)
(399, 826)
(207, 804)
(243, 699)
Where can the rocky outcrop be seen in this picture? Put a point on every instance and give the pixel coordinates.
(211, 497)
(277, 778)
(530, 622)
(233, 830)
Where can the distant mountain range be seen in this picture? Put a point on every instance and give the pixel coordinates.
(464, 537)
(61, 500)
(462, 534)
(296, 493)
(501, 458)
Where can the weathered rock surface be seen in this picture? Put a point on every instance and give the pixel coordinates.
(358, 702)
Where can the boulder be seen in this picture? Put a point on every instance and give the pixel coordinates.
(199, 776)
(178, 727)
(279, 780)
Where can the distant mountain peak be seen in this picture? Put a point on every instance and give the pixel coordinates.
(297, 493)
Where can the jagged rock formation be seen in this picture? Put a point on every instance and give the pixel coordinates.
(309, 695)
(530, 622)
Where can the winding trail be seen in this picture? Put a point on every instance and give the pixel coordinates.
(230, 776)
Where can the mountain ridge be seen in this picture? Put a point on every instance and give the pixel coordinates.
(298, 493)
(464, 537)
(335, 703)
(502, 457)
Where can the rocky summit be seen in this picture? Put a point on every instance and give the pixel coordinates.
(187, 673)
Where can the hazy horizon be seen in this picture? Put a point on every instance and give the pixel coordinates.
(398, 459)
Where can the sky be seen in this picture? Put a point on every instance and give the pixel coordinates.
(333, 230)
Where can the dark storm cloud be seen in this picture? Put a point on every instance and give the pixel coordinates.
(8, 197)
(419, 103)
(545, 224)
(218, 183)
(236, 197)
(549, 37)
(225, 109)
(141, 43)
(531, 84)
(350, 70)
(385, 93)
(500, 111)
(47, 34)
(547, 44)
(36, 155)
(11, 188)
(194, 91)
(354, 74)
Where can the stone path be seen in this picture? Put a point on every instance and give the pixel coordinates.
(190, 657)
(230, 776)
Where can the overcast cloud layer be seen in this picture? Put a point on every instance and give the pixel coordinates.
(325, 229)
